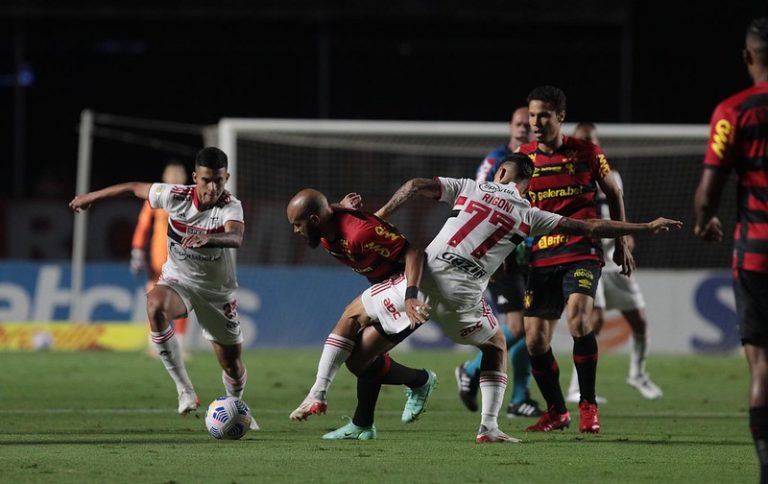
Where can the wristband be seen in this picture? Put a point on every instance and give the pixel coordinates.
(411, 292)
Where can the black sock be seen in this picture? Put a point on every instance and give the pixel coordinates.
(394, 373)
(585, 359)
(758, 425)
(547, 375)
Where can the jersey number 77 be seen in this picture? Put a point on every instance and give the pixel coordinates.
(481, 212)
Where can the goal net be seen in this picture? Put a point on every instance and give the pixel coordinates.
(273, 159)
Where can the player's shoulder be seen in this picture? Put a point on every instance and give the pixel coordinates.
(352, 221)
(586, 148)
(528, 148)
(498, 154)
(736, 102)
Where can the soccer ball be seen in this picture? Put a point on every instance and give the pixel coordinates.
(227, 418)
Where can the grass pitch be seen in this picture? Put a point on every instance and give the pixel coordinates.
(109, 417)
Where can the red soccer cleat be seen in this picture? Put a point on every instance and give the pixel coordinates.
(308, 408)
(589, 419)
(550, 421)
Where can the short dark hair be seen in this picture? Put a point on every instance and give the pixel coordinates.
(549, 94)
(758, 29)
(585, 125)
(522, 162)
(211, 157)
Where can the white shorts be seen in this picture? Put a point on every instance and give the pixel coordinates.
(617, 291)
(216, 312)
(473, 325)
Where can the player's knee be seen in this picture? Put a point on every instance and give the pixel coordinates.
(156, 310)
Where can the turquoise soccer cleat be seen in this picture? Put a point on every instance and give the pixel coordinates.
(351, 432)
(416, 403)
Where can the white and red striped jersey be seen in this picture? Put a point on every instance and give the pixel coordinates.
(209, 268)
(487, 222)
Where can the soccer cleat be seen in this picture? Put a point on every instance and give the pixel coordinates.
(351, 432)
(527, 408)
(188, 402)
(468, 386)
(309, 407)
(253, 425)
(486, 436)
(589, 419)
(416, 403)
(575, 397)
(550, 421)
(645, 386)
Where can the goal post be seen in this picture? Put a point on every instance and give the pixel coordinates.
(271, 159)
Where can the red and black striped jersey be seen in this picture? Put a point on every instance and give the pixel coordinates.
(369, 245)
(738, 140)
(565, 182)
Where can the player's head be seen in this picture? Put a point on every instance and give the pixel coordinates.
(210, 175)
(756, 48)
(546, 112)
(175, 173)
(519, 128)
(309, 212)
(586, 131)
(516, 168)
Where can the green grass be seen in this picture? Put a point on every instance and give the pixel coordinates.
(107, 417)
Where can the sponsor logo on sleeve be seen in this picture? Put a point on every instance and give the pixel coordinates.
(605, 168)
(385, 232)
(721, 137)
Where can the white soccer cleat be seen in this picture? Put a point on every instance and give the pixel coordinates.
(485, 436)
(645, 386)
(188, 402)
(253, 425)
(310, 406)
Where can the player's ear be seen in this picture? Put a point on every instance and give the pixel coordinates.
(561, 116)
(314, 219)
(747, 56)
(194, 177)
(226, 177)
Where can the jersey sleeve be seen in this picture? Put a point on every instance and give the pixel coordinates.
(233, 212)
(721, 134)
(160, 196)
(450, 188)
(541, 221)
(600, 166)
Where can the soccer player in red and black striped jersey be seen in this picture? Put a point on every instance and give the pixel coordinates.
(375, 249)
(565, 268)
(739, 141)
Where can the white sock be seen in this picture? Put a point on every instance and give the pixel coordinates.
(335, 352)
(234, 386)
(167, 346)
(574, 386)
(637, 356)
(492, 386)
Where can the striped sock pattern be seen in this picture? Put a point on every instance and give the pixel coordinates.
(335, 352)
(492, 387)
(167, 346)
(235, 386)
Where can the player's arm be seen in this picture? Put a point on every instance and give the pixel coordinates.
(140, 238)
(137, 189)
(417, 311)
(232, 237)
(425, 187)
(622, 255)
(351, 201)
(600, 228)
(706, 201)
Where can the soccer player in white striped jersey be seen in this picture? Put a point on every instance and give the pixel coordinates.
(204, 223)
(488, 221)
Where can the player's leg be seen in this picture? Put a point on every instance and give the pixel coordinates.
(163, 305)
(638, 376)
(234, 374)
(337, 348)
(579, 284)
(543, 305)
(468, 374)
(493, 383)
(597, 319)
(521, 404)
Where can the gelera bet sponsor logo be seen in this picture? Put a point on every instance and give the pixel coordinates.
(721, 137)
(541, 195)
(549, 241)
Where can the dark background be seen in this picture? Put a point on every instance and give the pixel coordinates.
(196, 62)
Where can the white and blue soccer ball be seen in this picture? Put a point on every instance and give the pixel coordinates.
(227, 418)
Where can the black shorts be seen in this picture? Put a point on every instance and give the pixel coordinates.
(507, 290)
(549, 287)
(396, 338)
(751, 290)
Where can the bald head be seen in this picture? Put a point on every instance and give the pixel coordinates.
(309, 213)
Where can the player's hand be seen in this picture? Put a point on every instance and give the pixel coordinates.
(662, 224)
(352, 201)
(712, 231)
(194, 241)
(417, 311)
(81, 202)
(138, 261)
(623, 257)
